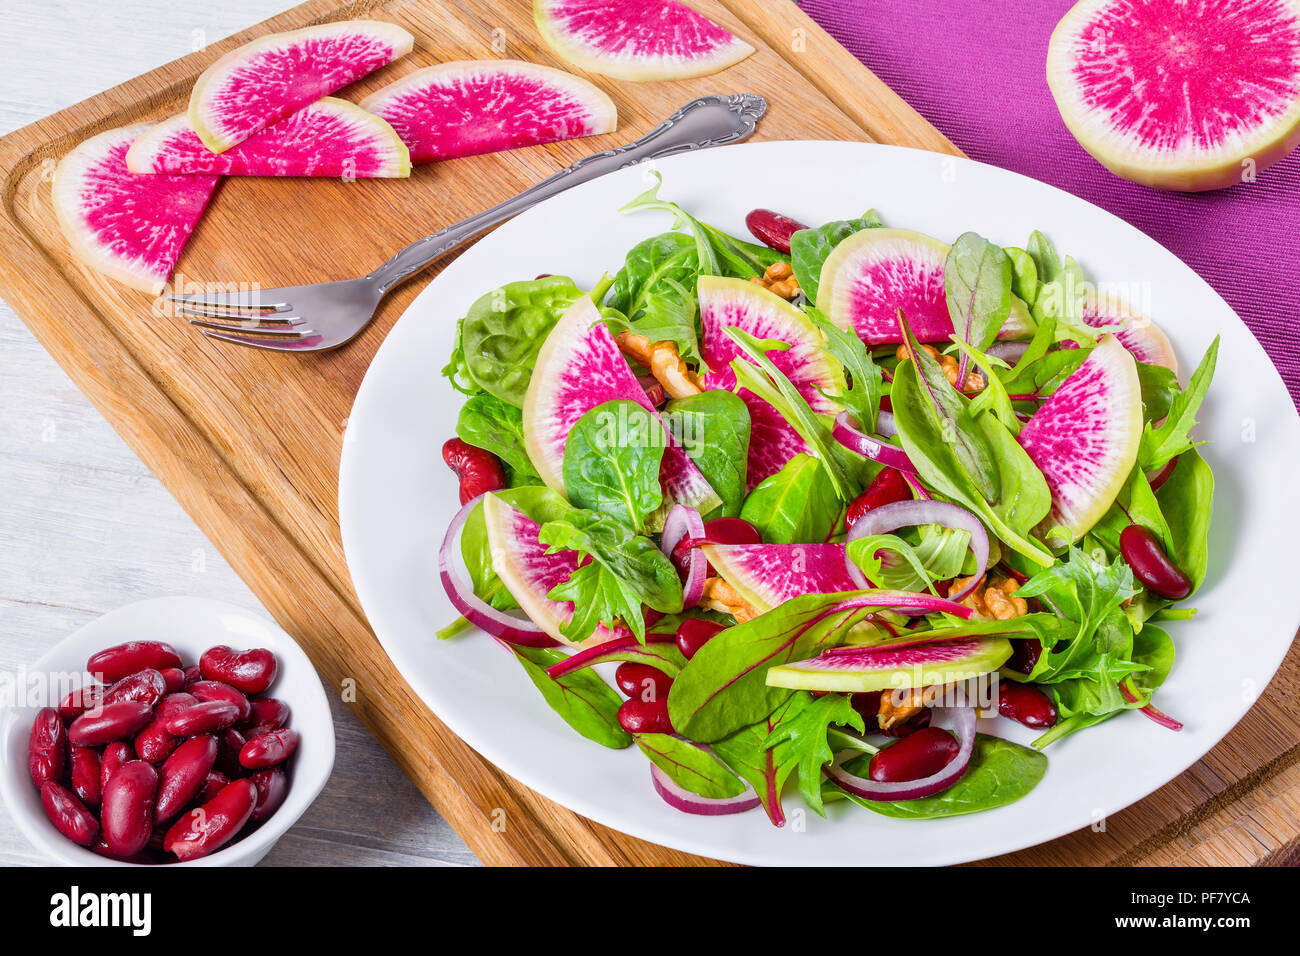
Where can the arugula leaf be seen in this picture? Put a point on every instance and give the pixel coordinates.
(1024, 275)
(599, 596)
(864, 383)
(611, 462)
(1082, 590)
(582, 699)
(690, 767)
(487, 422)
(713, 429)
(797, 504)
(809, 248)
(1061, 289)
(803, 731)
(1170, 438)
(1000, 772)
(977, 280)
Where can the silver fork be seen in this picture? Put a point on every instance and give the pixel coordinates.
(311, 318)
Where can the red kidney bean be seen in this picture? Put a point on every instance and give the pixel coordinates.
(694, 632)
(147, 686)
(251, 671)
(154, 743)
(81, 700)
(126, 812)
(123, 660)
(905, 728)
(183, 775)
(479, 470)
(642, 681)
(173, 678)
(192, 673)
(638, 716)
(229, 743)
(212, 784)
(47, 747)
(206, 690)
(272, 787)
(203, 718)
(266, 714)
(143, 858)
(114, 755)
(269, 749)
(772, 228)
(108, 723)
(914, 757)
(1143, 553)
(1025, 652)
(886, 488)
(209, 827)
(68, 814)
(85, 775)
(1027, 704)
(717, 531)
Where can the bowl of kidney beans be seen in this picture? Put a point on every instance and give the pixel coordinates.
(175, 731)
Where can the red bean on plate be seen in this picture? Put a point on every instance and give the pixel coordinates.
(251, 671)
(122, 660)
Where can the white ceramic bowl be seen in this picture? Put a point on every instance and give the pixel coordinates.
(191, 625)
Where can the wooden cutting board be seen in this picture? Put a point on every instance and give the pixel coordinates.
(248, 442)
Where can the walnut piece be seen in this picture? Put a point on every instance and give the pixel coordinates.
(899, 706)
(993, 600)
(779, 279)
(663, 361)
(721, 596)
(951, 367)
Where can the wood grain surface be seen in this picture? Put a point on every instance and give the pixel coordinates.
(248, 442)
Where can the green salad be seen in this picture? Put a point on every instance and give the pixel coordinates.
(824, 500)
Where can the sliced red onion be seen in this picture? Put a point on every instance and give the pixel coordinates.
(685, 522)
(906, 514)
(1159, 716)
(964, 727)
(885, 426)
(682, 799)
(846, 433)
(1009, 352)
(499, 624)
(593, 655)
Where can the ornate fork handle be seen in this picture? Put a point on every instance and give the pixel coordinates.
(708, 121)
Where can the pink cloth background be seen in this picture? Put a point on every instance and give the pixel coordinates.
(974, 68)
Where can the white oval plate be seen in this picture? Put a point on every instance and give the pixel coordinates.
(396, 498)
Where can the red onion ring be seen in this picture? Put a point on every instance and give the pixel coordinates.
(685, 522)
(868, 789)
(1009, 352)
(905, 514)
(499, 624)
(846, 433)
(885, 426)
(682, 799)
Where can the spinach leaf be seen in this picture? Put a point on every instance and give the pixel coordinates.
(537, 502)
(863, 381)
(499, 338)
(795, 505)
(487, 422)
(611, 462)
(1154, 648)
(809, 248)
(747, 753)
(582, 699)
(1170, 438)
(723, 687)
(690, 767)
(653, 291)
(1061, 290)
(1186, 500)
(1024, 275)
(799, 740)
(1000, 772)
(977, 280)
(713, 429)
(1159, 389)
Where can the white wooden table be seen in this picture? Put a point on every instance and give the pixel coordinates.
(84, 526)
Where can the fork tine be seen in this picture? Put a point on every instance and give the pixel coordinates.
(236, 315)
(292, 328)
(273, 300)
(274, 343)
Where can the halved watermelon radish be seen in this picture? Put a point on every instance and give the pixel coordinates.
(468, 107)
(810, 368)
(529, 573)
(894, 668)
(330, 137)
(637, 39)
(767, 575)
(578, 367)
(131, 228)
(1187, 96)
(266, 80)
(1085, 437)
(1139, 335)
(873, 273)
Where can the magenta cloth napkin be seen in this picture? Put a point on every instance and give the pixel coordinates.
(974, 68)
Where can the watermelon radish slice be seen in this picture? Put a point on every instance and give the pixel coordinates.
(767, 575)
(637, 39)
(1085, 437)
(578, 367)
(894, 668)
(529, 573)
(330, 137)
(810, 368)
(266, 80)
(469, 107)
(875, 272)
(1186, 96)
(131, 228)
(1139, 335)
